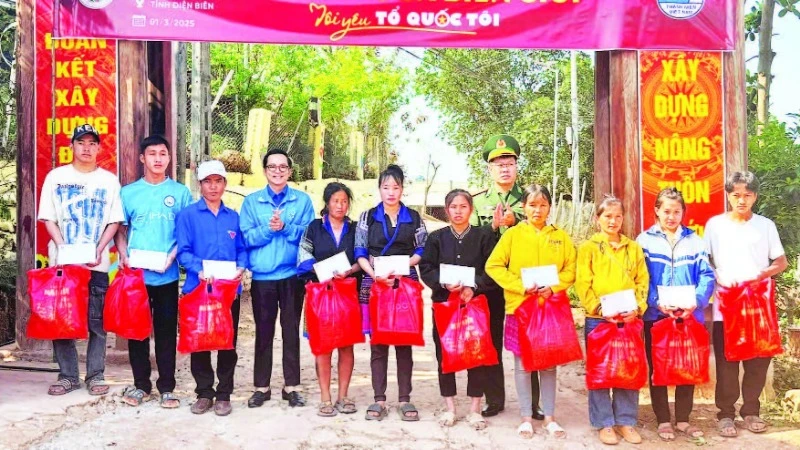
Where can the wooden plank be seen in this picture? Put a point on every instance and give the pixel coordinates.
(26, 171)
(179, 104)
(735, 100)
(602, 124)
(201, 113)
(625, 124)
(170, 124)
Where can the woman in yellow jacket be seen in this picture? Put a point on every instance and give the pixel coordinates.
(529, 244)
(611, 262)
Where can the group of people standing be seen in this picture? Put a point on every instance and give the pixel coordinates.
(497, 232)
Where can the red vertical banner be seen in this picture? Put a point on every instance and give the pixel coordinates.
(682, 143)
(76, 83)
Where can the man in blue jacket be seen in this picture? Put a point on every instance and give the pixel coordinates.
(273, 221)
(209, 231)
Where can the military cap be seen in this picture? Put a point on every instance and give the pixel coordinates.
(500, 145)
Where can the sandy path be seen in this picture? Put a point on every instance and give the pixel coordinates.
(107, 423)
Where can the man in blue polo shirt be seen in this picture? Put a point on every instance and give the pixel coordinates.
(151, 206)
(273, 221)
(209, 230)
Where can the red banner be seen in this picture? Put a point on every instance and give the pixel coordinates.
(76, 83)
(681, 135)
(541, 24)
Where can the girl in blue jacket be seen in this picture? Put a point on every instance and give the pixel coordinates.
(676, 256)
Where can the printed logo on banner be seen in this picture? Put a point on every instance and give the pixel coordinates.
(95, 4)
(681, 9)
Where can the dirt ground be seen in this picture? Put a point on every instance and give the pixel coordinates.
(31, 419)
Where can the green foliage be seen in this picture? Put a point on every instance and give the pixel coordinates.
(484, 92)
(359, 89)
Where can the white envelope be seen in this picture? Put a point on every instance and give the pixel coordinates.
(546, 276)
(452, 274)
(326, 268)
(147, 259)
(683, 297)
(76, 254)
(618, 302)
(396, 265)
(221, 270)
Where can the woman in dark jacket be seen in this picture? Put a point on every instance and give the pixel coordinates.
(389, 229)
(462, 245)
(332, 234)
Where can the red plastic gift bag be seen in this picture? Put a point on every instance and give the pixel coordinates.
(680, 352)
(547, 335)
(333, 315)
(205, 319)
(396, 313)
(750, 320)
(127, 306)
(464, 333)
(59, 301)
(615, 357)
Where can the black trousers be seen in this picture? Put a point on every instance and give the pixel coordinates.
(379, 365)
(727, 389)
(164, 309)
(494, 376)
(476, 377)
(203, 373)
(268, 298)
(684, 395)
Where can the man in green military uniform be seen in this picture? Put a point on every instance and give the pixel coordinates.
(500, 207)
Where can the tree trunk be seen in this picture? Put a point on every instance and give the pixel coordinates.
(765, 56)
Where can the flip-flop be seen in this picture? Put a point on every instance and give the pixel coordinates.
(553, 429)
(525, 430)
(665, 429)
(447, 419)
(134, 396)
(476, 420)
(751, 421)
(406, 410)
(727, 424)
(381, 411)
(326, 409)
(97, 387)
(168, 397)
(62, 386)
(690, 431)
(345, 406)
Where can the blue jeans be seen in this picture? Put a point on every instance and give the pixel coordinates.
(605, 411)
(64, 349)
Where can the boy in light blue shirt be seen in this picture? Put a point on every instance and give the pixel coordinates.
(151, 206)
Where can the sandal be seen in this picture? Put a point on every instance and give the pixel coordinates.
(134, 396)
(169, 401)
(376, 411)
(62, 386)
(326, 409)
(345, 406)
(525, 430)
(727, 428)
(690, 431)
(447, 419)
(666, 432)
(409, 413)
(97, 387)
(476, 420)
(555, 430)
(755, 424)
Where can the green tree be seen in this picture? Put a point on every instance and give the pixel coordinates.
(484, 92)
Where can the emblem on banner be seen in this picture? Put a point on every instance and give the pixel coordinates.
(681, 9)
(95, 4)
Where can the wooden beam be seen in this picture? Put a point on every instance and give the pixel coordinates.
(735, 103)
(602, 126)
(624, 127)
(201, 113)
(170, 90)
(26, 171)
(179, 105)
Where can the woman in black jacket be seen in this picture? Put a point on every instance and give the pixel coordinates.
(332, 234)
(462, 245)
